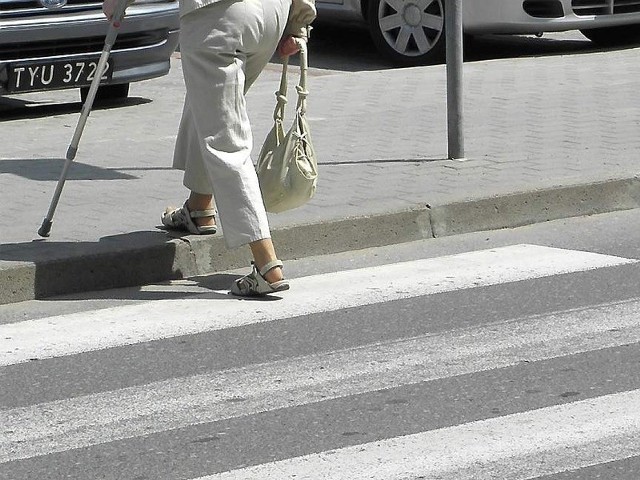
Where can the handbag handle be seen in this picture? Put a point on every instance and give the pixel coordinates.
(301, 88)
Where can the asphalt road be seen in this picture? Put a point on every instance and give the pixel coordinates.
(462, 355)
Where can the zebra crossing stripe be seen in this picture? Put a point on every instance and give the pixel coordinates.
(519, 446)
(125, 325)
(143, 410)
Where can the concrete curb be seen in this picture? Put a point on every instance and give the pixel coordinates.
(145, 257)
(525, 208)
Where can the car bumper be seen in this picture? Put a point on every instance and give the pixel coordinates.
(145, 42)
(510, 16)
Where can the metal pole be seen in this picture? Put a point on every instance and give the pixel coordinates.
(454, 42)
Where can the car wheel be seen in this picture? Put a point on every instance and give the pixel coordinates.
(107, 93)
(408, 32)
(613, 36)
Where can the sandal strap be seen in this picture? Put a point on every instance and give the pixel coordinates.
(209, 212)
(271, 265)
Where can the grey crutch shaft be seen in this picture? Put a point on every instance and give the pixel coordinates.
(110, 39)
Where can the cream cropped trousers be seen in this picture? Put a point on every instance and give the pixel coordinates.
(224, 47)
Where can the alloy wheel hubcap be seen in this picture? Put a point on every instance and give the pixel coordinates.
(412, 15)
(411, 27)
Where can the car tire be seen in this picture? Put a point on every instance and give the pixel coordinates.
(613, 36)
(408, 33)
(107, 93)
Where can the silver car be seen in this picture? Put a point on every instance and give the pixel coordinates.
(58, 47)
(411, 32)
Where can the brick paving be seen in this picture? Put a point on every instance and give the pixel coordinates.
(530, 124)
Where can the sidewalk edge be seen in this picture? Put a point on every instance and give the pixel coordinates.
(124, 266)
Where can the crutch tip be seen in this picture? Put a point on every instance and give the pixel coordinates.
(45, 229)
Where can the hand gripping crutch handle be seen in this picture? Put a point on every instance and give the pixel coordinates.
(110, 39)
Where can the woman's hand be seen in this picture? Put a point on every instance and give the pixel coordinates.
(289, 45)
(109, 8)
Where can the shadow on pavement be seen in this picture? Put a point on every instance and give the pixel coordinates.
(107, 269)
(128, 259)
(347, 46)
(383, 161)
(49, 169)
(18, 109)
(162, 291)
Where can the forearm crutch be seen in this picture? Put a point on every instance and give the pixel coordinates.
(112, 33)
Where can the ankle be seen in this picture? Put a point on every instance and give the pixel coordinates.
(201, 204)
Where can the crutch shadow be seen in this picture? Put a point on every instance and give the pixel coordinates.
(48, 169)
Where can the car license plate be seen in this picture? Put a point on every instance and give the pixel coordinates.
(25, 77)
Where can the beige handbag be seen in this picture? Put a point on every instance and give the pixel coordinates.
(287, 167)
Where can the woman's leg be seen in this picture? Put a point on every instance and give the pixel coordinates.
(220, 59)
(213, 66)
(275, 13)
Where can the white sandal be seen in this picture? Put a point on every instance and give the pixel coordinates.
(254, 284)
(182, 219)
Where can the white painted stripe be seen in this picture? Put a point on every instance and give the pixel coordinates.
(520, 446)
(125, 325)
(127, 413)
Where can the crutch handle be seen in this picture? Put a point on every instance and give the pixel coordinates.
(118, 14)
(119, 7)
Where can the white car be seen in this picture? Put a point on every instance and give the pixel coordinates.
(411, 32)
